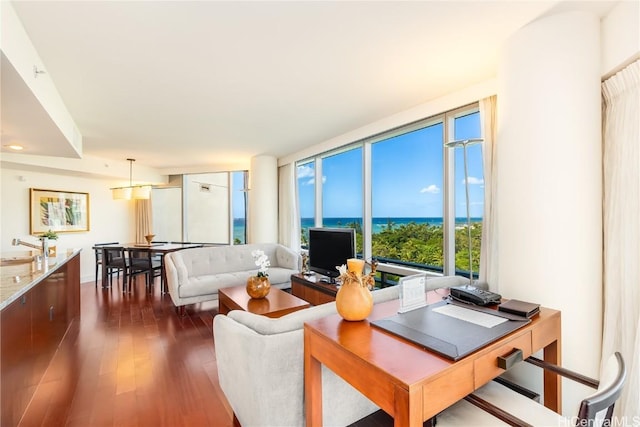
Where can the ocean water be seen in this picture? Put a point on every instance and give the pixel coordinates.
(379, 224)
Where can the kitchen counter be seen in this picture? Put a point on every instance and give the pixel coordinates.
(38, 303)
(17, 275)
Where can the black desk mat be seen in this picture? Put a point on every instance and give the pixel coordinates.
(448, 336)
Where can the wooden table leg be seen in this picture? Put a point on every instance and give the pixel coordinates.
(312, 385)
(407, 407)
(552, 381)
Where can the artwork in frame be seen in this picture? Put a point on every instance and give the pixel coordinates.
(59, 211)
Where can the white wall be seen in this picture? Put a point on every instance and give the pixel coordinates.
(166, 204)
(207, 209)
(110, 220)
(620, 37)
(550, 181)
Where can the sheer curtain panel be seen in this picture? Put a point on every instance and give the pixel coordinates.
(488, 248)
(143, 219)
(621, 129)
(288, 216)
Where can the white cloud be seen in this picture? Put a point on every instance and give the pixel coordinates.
(433, 189)
(312, 181)
(305, 171)
(307, 175)
(474, 181)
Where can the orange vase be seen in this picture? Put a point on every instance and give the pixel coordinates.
(353, 301)
(258, 287)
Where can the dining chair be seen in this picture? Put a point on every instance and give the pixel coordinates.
(495, 404)
(98, 252)
(114, 260)
(143, 261)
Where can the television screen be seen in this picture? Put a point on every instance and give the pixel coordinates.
(329, 248)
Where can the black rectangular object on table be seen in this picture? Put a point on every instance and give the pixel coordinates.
(448, 336)
(520, 308)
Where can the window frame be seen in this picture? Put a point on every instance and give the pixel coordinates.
(448, 221)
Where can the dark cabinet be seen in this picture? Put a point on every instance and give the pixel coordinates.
(32, 328)
(16, 359)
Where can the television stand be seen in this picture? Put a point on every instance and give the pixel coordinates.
(312, 289)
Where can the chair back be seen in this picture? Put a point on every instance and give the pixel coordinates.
(113, 256)
(609, 390)
(140, 260)
(140, 257)
(98, 250)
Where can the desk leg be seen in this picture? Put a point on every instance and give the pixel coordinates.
(552, 381)
(312, 385)
(407, 407)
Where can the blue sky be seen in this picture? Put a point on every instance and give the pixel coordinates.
(406, 176)
(238, 199)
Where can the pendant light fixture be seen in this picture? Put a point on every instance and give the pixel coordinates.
(135, 192)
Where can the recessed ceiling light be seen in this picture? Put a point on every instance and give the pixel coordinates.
(15, 147)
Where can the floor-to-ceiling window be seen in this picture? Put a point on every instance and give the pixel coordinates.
(239, 206)
(467, 127)
(406, 195)
(415, 212)
(342, 191)
(306, 177)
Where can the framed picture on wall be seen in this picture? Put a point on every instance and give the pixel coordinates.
(59, 211)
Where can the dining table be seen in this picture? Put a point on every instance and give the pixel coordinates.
(158, 248)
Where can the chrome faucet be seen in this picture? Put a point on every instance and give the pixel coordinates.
(44, 247)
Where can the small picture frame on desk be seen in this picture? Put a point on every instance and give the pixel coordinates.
(412, 292)
(59, 211)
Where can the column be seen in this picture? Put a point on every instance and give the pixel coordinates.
(550, 179)
(263, 200)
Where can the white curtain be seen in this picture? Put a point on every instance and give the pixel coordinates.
(288, 216)
(621, 128)
(488, 247)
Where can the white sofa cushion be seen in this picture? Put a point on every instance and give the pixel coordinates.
(195, 275)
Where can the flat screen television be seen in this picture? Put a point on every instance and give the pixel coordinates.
(329, 248)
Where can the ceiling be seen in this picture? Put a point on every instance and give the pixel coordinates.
(177, 84)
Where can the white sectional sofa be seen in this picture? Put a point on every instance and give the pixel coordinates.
(261, 366)
(195, 275)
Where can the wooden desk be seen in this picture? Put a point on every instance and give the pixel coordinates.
(276, 304)
(406, 381)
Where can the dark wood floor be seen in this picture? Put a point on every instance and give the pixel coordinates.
(132, 361)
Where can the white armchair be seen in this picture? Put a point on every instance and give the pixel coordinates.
(261, 366)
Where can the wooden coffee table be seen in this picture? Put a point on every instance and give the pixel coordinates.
(276, 304)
